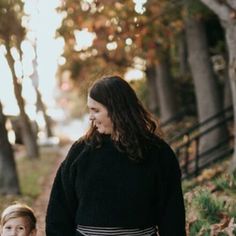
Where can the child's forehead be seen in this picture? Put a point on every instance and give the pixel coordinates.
(20, 220)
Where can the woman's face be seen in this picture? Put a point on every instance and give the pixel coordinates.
(98, 114)
(18, 226)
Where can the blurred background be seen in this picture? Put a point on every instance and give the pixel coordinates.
(178, 55)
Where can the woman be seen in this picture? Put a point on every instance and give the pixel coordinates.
(120, 178)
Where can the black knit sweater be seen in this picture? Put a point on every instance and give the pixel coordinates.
(104, 188)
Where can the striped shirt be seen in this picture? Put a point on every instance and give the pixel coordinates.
(109, 231)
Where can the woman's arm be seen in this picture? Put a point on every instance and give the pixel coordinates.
(60, 217)
(172, 214)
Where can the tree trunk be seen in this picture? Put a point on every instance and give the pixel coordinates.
(206, 88)
(29, 137)
(9, 183)
(231, 42)
(167, 99)
(183, 55)
(226, 13)
(40, 105)
(152, 89)
(228, 100)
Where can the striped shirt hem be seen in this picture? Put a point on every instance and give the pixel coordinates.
(119, 231)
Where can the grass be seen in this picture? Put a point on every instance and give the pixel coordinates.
(32, 175)
(197, 226)
(211, 205)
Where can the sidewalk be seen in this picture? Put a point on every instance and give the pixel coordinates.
(40, 205)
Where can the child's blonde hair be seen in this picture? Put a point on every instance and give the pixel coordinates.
(19, 210)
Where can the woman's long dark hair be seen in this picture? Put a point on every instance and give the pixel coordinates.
(134, 125)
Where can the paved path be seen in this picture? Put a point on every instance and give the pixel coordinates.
(41, 202)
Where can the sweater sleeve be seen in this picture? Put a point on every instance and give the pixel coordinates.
(172, 214)
(60, 216)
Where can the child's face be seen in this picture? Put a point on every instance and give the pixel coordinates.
(17, 227)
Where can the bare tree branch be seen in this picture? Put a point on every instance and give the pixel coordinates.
(219, 8)
(232, 3)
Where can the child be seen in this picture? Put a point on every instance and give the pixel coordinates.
(18, 220)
